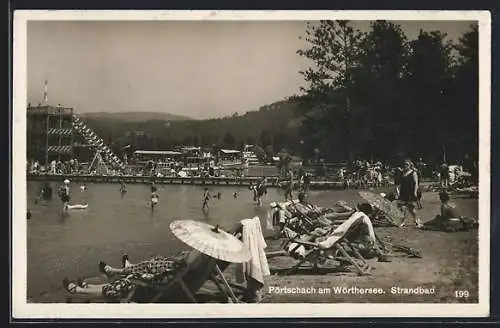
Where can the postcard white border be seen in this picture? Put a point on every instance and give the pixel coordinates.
(22, 310)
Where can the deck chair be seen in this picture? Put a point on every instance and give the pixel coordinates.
(198, 268)
(318, 219)
(337, 241)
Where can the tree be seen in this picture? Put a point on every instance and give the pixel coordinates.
(265, 138)
(229, 140)
(429, 73)
(466, 92)
(377, 91)
(269, 153)
(334, 50)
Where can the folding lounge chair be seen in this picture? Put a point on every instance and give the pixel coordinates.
(341, 244)
(324, 219)
(188, 280)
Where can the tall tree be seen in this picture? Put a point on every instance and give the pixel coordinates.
(429, 73)
(377, 90)
(334, 49)
(465, 115)
(265, 138)
(229, 140)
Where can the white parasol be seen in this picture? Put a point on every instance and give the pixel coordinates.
(392, 212)
(210, 240)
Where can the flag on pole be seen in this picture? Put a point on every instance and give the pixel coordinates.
(45, 95)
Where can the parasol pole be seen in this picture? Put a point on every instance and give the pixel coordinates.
(229, 289)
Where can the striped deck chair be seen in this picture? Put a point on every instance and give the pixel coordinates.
(183, 286)
(193, 270)
(337, 241)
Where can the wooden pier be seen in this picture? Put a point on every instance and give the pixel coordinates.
(272, 182)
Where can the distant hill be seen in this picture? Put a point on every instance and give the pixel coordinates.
(276, 124)
(134, 117)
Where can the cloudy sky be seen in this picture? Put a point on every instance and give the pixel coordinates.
(198, 69)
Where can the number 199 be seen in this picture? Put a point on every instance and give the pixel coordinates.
(461, 293)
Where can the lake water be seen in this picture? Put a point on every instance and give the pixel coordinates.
(71, 244)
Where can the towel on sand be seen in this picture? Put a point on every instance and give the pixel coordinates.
(253, 239)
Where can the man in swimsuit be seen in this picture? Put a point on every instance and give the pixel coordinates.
(64, 194)
(260, 191)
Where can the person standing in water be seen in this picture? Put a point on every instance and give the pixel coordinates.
(153, 187)
(206, 197)
(64, 194)
(123, 187)
(260, 191)
(154, 199)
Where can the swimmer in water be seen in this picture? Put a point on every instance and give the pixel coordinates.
(235, 195)
(123, 188)
(206, 197)
(83, 187)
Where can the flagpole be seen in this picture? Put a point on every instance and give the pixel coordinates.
(45, 93)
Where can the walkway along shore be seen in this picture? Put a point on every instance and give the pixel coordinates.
(210, 181)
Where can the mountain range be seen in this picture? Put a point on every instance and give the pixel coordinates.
(276, 123)
(134, 117)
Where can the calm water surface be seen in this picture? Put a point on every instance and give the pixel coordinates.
(71, 244)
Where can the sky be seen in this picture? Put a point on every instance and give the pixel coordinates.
(200, 69)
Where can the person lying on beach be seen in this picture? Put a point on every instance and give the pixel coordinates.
(153, 270)
(449, 219)
(314, 212)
